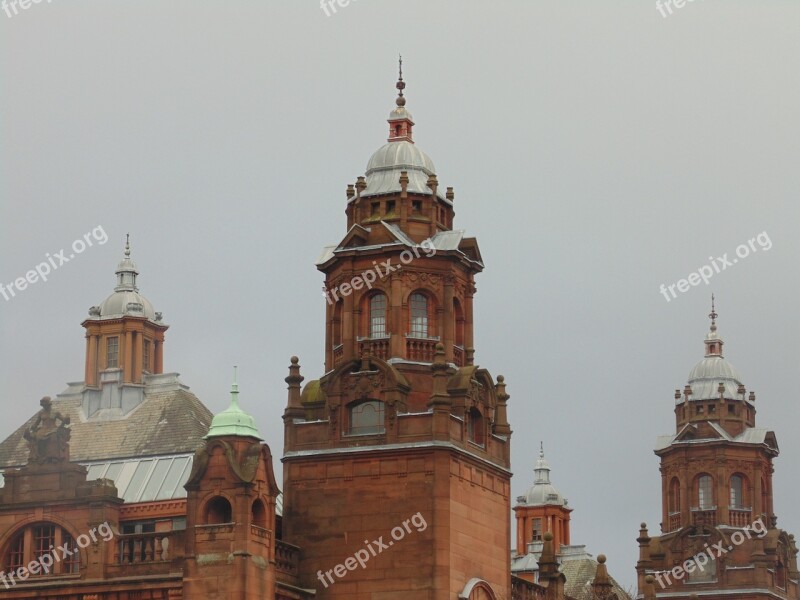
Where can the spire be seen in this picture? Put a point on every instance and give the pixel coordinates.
(400, 120)
(126, 270)
(542, 469)
(713, 342)
(401, 101)
(233, 420)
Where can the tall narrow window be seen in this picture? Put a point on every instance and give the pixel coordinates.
(737, 491)
(146, 356)
(15, 556)
(537, 530)
(675, 496)
(475, 426)
(705, 492)
(367, 417)
(112, 352)
(377, 316)
(419, 315)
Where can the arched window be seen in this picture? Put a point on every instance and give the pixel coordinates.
(475, 426)
(259, 514)
(460, 322)
(674, 496)
(705, 492)
(33, 543)
(218, 510)
(377, 316)
(419, 315)
(737, 492)
(366, 417)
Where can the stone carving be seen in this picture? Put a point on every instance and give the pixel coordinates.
(48, 440)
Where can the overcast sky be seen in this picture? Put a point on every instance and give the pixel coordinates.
(597, 150)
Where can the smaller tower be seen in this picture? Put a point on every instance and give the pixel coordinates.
(124, 344)
(542, 510)
(231, 523)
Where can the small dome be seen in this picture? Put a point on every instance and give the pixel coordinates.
(388, 161)
(127, 303)
(705, 377)
(543, 493)
(233, 420)
(400, 113)
(126, 299)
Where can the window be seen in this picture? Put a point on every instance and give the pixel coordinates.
(366, 417)
(737, 491)
(376, 209)
(37, 541)
(218, 511)
(475, 426)
(699, 409)
(712, 409)
(259, 514)
(416, 206)
(675, 496)
(112, 353)
(419, 315)
(705, 492)
(389, 208)
(731, 409)
(377, 316)
(537, 530)
(146, 356)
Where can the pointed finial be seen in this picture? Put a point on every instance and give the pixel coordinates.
(127, 245)
(713, 316)
(401, 101)
(541, 449)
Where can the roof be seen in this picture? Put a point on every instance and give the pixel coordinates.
(705, 377)
(168, 421)
(577, 565)
(388, 161)
(751, 435)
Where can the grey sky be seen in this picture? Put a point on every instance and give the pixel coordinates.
(597, 150)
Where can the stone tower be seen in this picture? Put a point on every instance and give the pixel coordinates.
(396, 461)
(719, 536)
(231, 523)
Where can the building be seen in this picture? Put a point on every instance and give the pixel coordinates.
(719, 535)
(544, 510)
(396, 478)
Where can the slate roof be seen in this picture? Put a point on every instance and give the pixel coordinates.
(166, 422)
(580, 574)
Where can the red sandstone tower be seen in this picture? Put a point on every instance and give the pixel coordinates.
(716, 473)
(399, 454)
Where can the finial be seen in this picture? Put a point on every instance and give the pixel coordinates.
(713, 316)
(541, 449)
(127, 245)
(401, 101)
(235, 386)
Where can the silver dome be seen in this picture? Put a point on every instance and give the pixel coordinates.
(126, 303)
(705, 377)
(543, 493)
(385, 165)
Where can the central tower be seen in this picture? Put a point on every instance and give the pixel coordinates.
(397, 460)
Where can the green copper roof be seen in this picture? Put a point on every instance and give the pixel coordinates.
(233, 420)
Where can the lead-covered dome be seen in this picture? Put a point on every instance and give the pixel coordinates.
(126, 299)
(543, 492)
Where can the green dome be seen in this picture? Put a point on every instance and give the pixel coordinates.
(233, 420)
